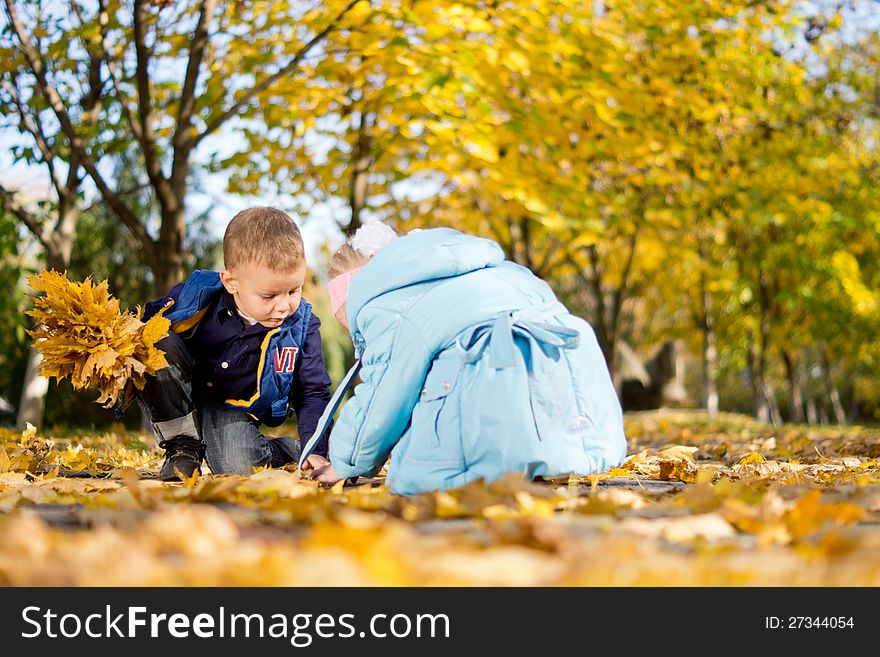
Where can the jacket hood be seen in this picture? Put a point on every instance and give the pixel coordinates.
(418, 257)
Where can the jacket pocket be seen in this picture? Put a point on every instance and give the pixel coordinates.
(435, 420)
(554, 402)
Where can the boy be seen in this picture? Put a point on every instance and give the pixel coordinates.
(244, 348)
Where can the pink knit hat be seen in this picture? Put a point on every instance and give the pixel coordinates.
(368, 240)
(338, 289)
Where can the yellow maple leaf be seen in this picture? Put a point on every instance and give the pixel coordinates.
(678, 470)
(752, 457)
(810, 513)
(81, 333)
(155, 329)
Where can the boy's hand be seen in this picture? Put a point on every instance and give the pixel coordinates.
(326, 474)
(322, 470)
(314, 462)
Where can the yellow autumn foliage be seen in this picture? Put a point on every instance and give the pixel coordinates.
(82, 334)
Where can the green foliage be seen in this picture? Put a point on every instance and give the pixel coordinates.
(14, 341)
(338, 349)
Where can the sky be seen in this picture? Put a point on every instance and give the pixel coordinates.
(319, 228)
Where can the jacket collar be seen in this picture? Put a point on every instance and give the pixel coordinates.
(418, 257)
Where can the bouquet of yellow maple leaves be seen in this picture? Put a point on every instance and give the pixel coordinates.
(82, 333)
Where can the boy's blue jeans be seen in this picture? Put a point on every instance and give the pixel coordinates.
(233, 442)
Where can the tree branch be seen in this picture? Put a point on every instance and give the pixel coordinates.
(122, 192)
(495, 230)
(183, 139)
(29, 219)
(103, 20)
(30, 123)
(551, 249)
(145, 101)
(76, 141)
(269, 81)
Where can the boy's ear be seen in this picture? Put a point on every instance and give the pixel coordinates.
(229, 281)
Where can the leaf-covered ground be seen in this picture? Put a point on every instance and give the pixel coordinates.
(726, 501)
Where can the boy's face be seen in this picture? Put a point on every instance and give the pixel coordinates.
(267, 295)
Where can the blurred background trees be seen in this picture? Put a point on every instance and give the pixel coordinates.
(697, 179)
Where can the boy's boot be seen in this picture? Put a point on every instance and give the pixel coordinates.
(184, 449)
(183, 457)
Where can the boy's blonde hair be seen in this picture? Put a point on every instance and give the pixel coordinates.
(345, 259)
(263, 236)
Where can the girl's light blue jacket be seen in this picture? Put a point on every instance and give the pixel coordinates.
(470, 368)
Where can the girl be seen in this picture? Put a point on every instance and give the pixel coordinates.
(470, 367)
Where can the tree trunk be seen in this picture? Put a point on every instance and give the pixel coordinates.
(601, 324)
(526, 242)
(519, 239)
(33, 393)
(795, 395)
(853, 415)
(760, 406)
(710, 400)
(710, 349)
(770, 394)
(812, 411)
(608, 310)
(359, 170)
(169, 258)
(836, 405)
(833, 392)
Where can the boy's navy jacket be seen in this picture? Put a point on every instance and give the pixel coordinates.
(261, 371)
